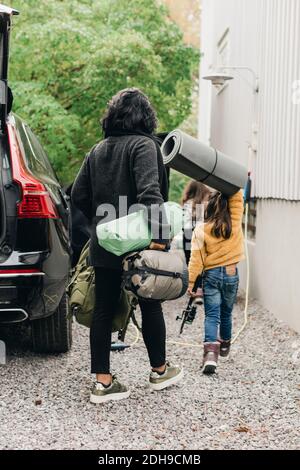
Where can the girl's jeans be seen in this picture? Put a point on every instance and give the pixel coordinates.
(219, 292)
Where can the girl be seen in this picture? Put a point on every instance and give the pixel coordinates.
(194, 194)
(216, 249)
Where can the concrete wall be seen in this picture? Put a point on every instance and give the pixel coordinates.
(275, 260)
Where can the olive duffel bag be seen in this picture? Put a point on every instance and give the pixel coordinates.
(81, 292)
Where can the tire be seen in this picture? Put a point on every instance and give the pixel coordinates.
(53, 334)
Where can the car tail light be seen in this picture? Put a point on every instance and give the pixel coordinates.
(35, 201)
(21, 271)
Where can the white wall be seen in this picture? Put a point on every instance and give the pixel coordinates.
(204, 126)
(264, 35)
(234, 103)
(278, 168)
(275, 260)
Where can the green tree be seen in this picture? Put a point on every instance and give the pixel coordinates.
(69, 57)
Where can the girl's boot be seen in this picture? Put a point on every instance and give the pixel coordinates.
(210, 357)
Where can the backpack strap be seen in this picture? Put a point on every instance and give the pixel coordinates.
(143, 272)
(157, 272)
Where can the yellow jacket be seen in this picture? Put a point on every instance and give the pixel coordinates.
(218, 252)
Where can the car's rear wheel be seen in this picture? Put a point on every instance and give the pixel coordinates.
(53, 334)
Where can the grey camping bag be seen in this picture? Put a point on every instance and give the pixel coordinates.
(155, 275)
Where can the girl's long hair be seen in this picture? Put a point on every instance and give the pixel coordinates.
(196, 192)
(217, 213)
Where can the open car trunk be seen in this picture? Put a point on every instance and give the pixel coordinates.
(2, 200)
(5, 106)
(5, 94)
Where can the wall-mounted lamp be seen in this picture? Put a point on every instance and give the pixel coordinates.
(219, 77)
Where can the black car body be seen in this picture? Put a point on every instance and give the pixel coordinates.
(35, 248)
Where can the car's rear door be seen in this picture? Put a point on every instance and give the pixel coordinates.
(5, 26)
(7, 199)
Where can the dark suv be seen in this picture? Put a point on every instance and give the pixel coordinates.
(34, 226)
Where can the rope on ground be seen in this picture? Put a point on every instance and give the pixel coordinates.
(137, 335)
(190, 345)
(247, 276)
(179, 343)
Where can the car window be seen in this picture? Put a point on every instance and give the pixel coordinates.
(36, 157)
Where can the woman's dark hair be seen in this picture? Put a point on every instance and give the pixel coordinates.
(217, 213)
(130, 110)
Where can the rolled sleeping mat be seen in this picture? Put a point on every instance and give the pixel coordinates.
(191, 157)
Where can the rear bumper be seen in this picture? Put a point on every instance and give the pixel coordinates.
(12, 315)
(35, 281)
(38, 296)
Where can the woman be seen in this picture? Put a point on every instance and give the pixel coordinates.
(127, 163)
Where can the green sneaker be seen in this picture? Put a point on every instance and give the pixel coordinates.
(116, 391)
(171, 376)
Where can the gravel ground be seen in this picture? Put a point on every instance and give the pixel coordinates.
(252, 403)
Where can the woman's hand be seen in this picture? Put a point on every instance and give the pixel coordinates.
(157, 246)
(198, 293)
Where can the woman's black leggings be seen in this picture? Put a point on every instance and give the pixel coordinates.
(107, 286)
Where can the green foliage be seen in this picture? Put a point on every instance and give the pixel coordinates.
(177, 185)
(50, 121)
(69, 57)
